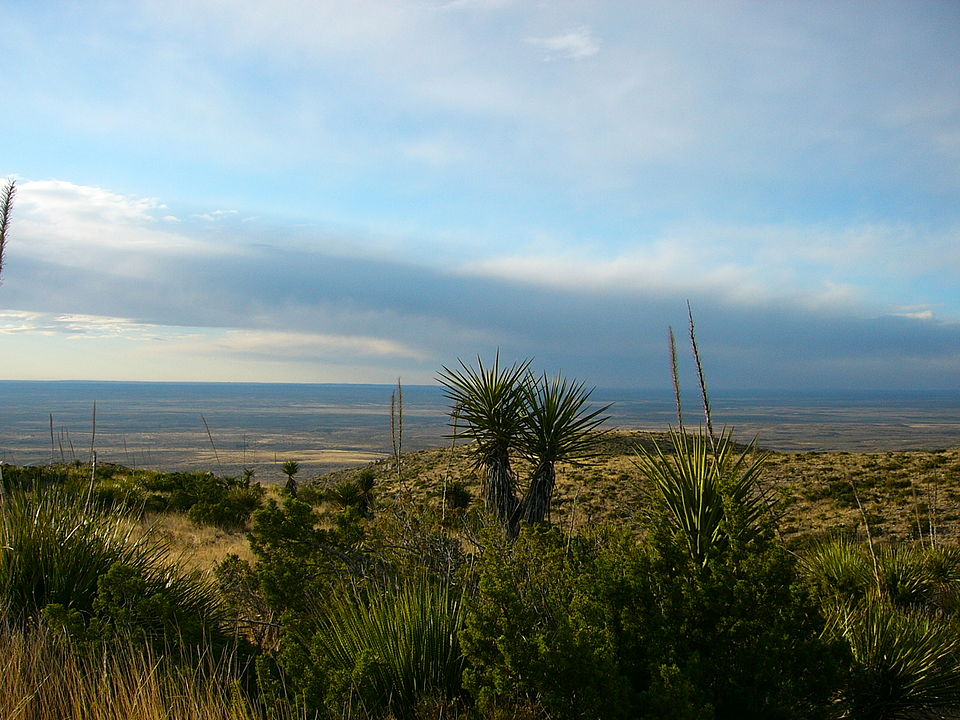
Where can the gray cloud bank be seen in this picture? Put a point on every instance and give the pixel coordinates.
(408, 319)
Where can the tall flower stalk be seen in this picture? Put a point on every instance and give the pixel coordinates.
(6, 210)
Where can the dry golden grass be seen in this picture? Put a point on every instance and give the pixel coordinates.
(43, 678)
(902, 494)
(199, 547)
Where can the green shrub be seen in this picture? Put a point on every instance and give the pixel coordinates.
(227, 503)
(535, 634)
(297, 559)
(93, 573)
(608, 627)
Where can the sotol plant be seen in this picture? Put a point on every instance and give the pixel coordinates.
(707, 485)
(86, 567)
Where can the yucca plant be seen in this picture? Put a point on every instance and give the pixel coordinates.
(558, 426)
(708, 488)
(906, 662)
(399, 645)
(489, 402)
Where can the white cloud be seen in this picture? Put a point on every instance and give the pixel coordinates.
(914, 313)
(215, 215)
(73, 326)
(858, 270)
(63, 223)
(575, 45)
(289, 346)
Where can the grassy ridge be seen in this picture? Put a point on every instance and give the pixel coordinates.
(903, 494)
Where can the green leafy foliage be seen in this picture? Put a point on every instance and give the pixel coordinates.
(708, 489)
(381, 648)
(535, 635)
(67, 559)
(615, 627)
(297, 558)
(207, 499)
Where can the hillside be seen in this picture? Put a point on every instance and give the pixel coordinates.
(813, 492)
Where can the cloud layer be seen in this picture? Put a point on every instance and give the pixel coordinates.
(322, 191)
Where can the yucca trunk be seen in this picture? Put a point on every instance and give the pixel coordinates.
(537, 509)
(499, 494)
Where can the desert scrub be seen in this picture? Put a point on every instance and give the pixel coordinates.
(224, 502)
(94, 574)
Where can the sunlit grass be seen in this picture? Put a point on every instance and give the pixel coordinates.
(43, 677)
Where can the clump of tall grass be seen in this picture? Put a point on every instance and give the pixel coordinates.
(43, 676)
(58, 552)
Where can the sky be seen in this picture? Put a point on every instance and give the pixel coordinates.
(314, 191)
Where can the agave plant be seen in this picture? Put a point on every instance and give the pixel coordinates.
(708, 487)
(489, 401)
(558, 426)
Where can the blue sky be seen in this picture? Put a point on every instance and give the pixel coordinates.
(352, 192)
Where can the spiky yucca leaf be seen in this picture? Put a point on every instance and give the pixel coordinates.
(406, 638)
(488, 407)
(708, 488)
(906, 661)
(488, 401)
(558, 426)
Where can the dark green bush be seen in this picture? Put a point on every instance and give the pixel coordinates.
(613, 627)
(535, 632)
(207, 499)
(458, 496)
